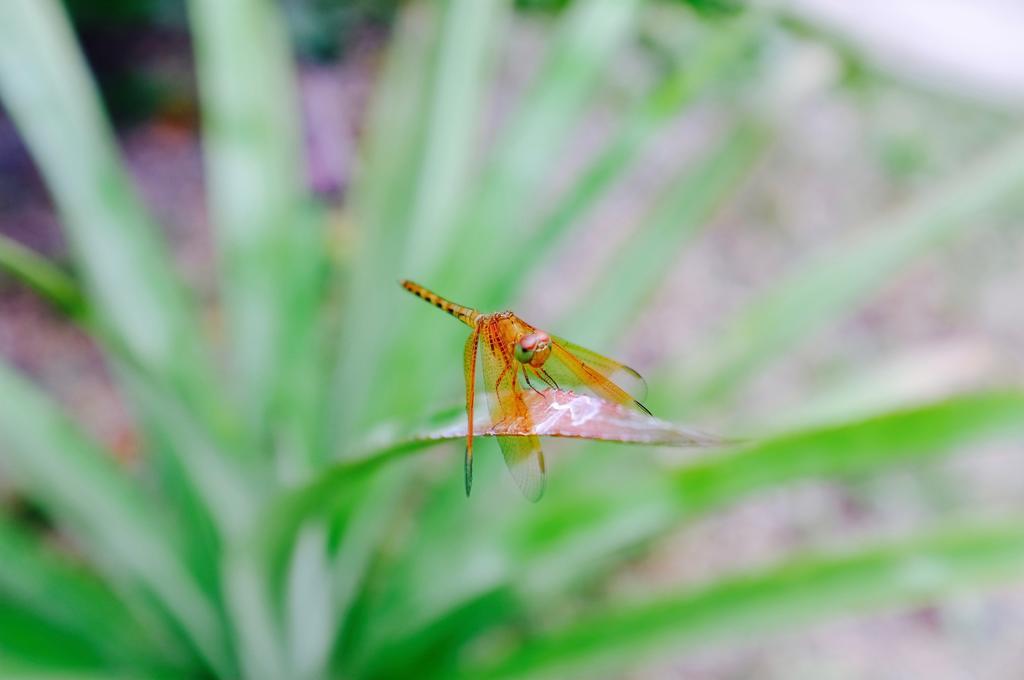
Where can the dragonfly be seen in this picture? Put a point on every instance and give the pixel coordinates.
(518, 357)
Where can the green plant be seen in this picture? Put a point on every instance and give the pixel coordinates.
(274, 531)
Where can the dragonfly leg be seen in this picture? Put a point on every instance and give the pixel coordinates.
(548, 379)
(526, 374)
(501, 376)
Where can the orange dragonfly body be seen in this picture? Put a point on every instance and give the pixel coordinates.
(519, 357)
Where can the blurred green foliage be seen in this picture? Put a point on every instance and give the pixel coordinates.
(271, 529)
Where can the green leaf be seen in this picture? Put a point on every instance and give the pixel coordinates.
(33, 671)
(70, 599)
(866, 446)
(802, 591)
(121, 531)
(588, 35)
(694, 73)
(841, 278)
(224, 482)
(125, 265)
(365, 531)
(310, 613)
(258, 633)
(490, 224)
(270, 253)
(585, 526)
(392, 148)
(465, 54)
(137, 309)
(689, 200)
(552, 413)
(557, 414)
(39, 274)
(28, 639)
(325, 577)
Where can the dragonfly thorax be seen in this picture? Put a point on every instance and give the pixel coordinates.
(533, 349)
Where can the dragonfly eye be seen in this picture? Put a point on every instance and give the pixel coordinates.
(523, 355)
(533, 348)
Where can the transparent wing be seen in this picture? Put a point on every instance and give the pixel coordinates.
(523, 455)
(525, 461)
(624, 377)
(572, 366)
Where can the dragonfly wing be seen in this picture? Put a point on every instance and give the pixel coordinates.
(573, 366)
(523, 455)
(623, 376)
(525, 461)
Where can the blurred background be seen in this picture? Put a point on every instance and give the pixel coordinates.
(799, 219)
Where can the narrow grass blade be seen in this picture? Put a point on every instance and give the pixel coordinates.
(436, 582)
(12, 670)
(588, 35)
(166, 439)
(689, 78)
(394, 139)
(589, 526)
(800, 592)
(560, 413)
(70, 476)
(869, 446)
(465, 55)
(47, 279)
(329, 560)
(688, 202)
(923, 373)
(554, 413)
(310, 615)
(592, 541)
(137, 308)
(271, 255)
(71, 599)
(257, 627)
(227, 487)
(841, 278)
(30, 643)
(47, 91)
(393, 143)
(490, 225)
(365, 527)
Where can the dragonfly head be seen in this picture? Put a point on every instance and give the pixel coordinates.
(533, 349)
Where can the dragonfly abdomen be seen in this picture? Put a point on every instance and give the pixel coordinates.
(466, 315)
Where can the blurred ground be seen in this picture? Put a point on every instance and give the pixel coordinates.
(843, 156)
